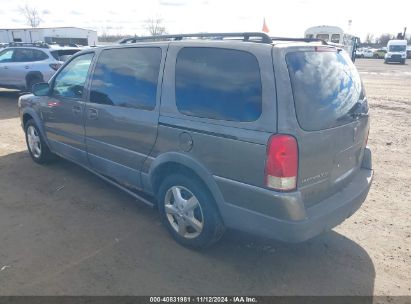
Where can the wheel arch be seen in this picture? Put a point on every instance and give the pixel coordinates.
(175, 162)
(33, 74)
(28, 114)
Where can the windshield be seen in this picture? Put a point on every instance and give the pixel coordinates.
(326, 87)
(397, 48)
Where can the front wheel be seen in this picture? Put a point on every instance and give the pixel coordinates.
(36, 145)
(188, 211)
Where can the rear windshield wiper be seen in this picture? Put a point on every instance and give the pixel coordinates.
(358, 110)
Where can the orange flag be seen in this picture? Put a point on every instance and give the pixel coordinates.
(265, 27)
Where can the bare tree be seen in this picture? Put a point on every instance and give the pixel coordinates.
(384, 38)
(31, 15)
(369, 38)
(155, 27)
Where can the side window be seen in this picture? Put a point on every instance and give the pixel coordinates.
(335, 38)
(6, 55)
(29, 55)
(127, 77)
(70, 81)
(39, 55)
(324, 37)
(219, 84)
(23, 55)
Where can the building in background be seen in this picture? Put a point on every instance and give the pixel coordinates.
(58, 35)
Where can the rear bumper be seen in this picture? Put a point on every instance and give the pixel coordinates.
(317, 219)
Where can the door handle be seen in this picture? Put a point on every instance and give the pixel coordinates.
(6, 67)
(92, 113)
(76, 110)
(27, 67)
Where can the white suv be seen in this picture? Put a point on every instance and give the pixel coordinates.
(24, 64)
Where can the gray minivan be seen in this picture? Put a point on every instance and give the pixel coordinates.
(236, 130)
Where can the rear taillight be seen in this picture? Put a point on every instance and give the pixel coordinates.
(282, 163)
(55, 66)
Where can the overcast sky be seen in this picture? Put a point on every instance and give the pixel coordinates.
(284, 18)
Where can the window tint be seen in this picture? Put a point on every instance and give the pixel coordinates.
(127, 77)
(327, 89)
(70, 81)
(324, 37)
(335, 38)
(63, 55)
(6, 55)
(29, 55)
(218, 84)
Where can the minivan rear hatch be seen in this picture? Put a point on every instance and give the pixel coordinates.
(332, 113)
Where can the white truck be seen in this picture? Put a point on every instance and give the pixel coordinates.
(396, 51)
(336, 36)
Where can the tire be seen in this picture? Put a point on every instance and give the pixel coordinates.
(193, 220)
(38, 149)
(32, 81)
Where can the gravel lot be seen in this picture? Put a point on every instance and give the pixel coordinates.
(64, 231)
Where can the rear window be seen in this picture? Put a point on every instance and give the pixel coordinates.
(326, 88)
(218, 84)
(63, 55)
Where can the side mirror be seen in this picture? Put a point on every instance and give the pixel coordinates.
(41, 89)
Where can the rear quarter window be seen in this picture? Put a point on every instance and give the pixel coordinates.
(63, 55)
(219, 84)
(326, 87)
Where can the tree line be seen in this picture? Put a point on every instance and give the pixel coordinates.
(383, 39)
(155, 27)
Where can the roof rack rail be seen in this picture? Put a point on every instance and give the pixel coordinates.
(299, 39)
(40, 44)
(245, 36)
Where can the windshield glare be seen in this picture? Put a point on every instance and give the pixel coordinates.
(326, 87)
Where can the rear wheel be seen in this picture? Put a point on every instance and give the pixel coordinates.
(36, 145)
(188, 211)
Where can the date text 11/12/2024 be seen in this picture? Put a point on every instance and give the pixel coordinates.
(203, 299)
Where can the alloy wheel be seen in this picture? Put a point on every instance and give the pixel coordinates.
(183, 212)
(33, 139)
